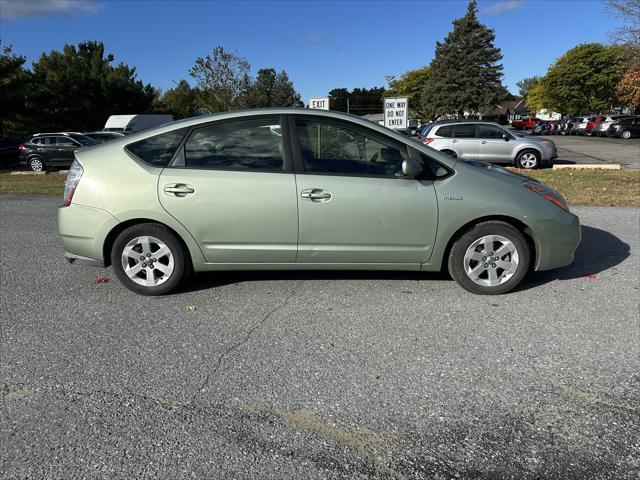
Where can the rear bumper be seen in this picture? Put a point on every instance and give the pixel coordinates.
(557, 241)
(83, 231)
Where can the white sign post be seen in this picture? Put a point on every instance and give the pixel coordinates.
(320, 103)
(396, 112)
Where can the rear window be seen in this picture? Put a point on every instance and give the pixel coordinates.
(446, 131)
(159, 149)
(465, 130)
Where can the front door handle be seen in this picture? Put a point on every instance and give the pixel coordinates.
(315, 194)
(483, 142)
(178, 189)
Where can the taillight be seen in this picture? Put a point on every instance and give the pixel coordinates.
(73, 178)
(427, 141)
(21, 147)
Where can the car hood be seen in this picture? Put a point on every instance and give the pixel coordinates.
(495, 172)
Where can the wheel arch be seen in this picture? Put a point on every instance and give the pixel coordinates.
(120, 227)
(514, 222)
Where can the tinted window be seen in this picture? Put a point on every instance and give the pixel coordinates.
(66, 142)
(159, 149)
(489, 131)
(254, 144)
(464, 130)
(337, 148)
(84, 140)
(47, 141)
(35, 141)
(446, 131)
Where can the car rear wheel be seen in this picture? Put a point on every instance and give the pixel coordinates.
(528, 159)
(148, 259)
(37, 164)
(626, 134)
(490, 259)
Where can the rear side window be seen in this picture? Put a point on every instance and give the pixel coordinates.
(159, 149)
(253, 144)
(464, 130)
(446, 131)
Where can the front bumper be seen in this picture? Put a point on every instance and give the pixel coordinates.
(83, 231)
(557, 240)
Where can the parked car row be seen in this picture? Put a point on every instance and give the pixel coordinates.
(44, 150)
(622, 126)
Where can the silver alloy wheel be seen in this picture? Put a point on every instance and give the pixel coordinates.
(528, 160)
(491, 260)
(626, 134)
(35, 164)
(147, 261)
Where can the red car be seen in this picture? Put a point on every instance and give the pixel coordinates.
(527, 123)
(593, 121)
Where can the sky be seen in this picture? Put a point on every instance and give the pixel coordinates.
(321, 44)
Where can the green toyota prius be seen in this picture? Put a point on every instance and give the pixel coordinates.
(289, 189)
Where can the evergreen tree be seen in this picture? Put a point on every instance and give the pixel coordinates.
(260, 94)
(179, 101)
(283, 94)
(15, 82)
(465, 74)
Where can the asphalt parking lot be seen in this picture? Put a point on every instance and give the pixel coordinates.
(318, 375)
(584, 149)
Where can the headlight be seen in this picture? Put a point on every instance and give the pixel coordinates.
(546, 192)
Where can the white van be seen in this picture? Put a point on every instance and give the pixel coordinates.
(134, 123)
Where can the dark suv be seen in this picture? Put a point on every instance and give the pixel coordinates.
(44, 150)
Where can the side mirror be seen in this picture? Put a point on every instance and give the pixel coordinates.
(411, 167)
(506, 137)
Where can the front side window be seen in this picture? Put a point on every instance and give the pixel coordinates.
(159, 149)
(339, 149)
(490, 131)
(464, 130)
(66, 142)
(252, 144)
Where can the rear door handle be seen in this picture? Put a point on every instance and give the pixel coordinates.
(178, 189)
(483, 142)
(454, 141)
(315, 194)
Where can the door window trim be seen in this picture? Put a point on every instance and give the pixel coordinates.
(177, 161)
(298, 162)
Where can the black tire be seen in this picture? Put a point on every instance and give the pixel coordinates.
(182, 267)
(523, 159)
(456, 257)
(451, 153)
(36, 164)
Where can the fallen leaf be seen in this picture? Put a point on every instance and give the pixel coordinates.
(100, 280)
(190, 308)
(591, 276)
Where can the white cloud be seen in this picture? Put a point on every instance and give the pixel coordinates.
(503, 7)
(42, 8)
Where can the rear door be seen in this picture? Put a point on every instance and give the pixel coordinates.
(353, 206)
(493, 147)
(465, 141)
(47, 148)
(231, 185)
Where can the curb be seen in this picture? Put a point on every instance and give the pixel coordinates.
(588, 166)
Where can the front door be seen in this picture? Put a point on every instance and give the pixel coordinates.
(493, 146)
(354, 206)
(66, 149)
(229, 188)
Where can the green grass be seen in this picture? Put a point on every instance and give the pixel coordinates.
(579, 187)
(618, 188)
(49, 184)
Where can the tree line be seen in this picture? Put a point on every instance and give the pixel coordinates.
(78, 88)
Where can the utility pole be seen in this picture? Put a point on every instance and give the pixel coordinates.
(347, 104)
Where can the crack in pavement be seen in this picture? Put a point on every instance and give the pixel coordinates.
(236, 346)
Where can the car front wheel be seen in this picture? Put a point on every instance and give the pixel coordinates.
(148, 259)
(490, 259)
(528, 159)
